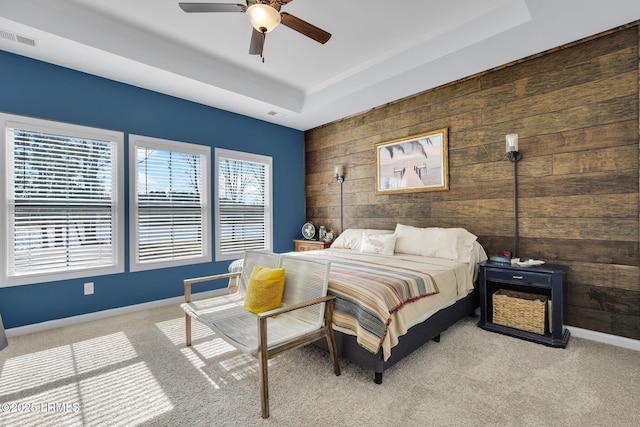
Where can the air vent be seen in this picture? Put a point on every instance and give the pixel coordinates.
(9, 35)
(274, 114)
(25, 40)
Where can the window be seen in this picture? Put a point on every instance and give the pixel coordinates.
(170, 210)
(61, 216)
(243, 210)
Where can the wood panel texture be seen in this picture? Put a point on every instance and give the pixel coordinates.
(576, 111)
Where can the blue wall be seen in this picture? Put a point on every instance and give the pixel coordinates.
(33, 88)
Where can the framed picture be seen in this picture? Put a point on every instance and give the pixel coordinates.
(414, 163)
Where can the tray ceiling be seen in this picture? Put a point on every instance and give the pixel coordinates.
(380, 51)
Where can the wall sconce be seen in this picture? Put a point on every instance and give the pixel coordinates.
(512, 147)
(514, 155)
(338, 173)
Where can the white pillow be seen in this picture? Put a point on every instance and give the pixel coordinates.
(464, 243)
(448, 243)
(351, 238)
(382, 244)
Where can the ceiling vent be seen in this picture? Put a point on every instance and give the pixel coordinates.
(9, 35)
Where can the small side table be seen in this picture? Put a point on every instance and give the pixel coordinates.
(310, 245)
(545, 279)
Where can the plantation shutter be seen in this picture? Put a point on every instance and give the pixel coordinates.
(61, 205)
(170, 220)
(243, 213)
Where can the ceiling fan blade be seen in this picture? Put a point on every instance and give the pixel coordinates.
(257, 43)
(212, 7)
(303, 27)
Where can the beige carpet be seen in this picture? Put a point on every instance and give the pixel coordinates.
(134, 370)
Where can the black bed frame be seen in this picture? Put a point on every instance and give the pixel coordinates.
(416, 336)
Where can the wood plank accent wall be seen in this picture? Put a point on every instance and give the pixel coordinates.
(575, 109)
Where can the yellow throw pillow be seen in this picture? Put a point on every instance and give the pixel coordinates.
(264, 290)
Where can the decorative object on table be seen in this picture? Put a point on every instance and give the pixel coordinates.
(321, 233)
(329, 236)
(415, 163)
(531, 263)
(497, 259)
(309, 231)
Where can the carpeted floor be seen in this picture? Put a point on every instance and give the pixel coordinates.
(134, 370)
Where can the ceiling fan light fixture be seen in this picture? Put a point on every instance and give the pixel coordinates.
(263, 17)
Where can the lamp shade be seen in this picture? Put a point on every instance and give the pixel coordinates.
(263, 17)
(512, 142)
(338, 171)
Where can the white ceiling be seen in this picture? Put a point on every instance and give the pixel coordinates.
(380, 51)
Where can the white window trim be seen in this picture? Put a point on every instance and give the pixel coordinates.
(53, 127)
(167, 145)
(268, 198)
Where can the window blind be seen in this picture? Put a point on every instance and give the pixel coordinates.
(243, 213)
(170, 205)
(61, 207)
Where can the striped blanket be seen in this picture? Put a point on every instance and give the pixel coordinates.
(368, 294)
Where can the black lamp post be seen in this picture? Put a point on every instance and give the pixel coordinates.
(514, 156)
(338, 172)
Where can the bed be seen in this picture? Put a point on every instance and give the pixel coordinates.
(398, 289)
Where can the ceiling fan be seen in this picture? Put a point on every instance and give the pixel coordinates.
(264, 15)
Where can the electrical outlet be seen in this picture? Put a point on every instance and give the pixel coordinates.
(88, 288)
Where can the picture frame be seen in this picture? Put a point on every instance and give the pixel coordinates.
(414, 163)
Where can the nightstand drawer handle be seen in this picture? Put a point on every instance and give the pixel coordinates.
(518, 277)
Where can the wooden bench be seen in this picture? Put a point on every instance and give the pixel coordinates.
(305, 315)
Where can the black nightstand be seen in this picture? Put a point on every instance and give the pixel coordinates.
(543, 280)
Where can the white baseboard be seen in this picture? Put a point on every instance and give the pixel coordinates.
(599, 337)
(605, 338)
(43, 326)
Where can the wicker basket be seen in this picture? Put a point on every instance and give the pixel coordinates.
(520, 310)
